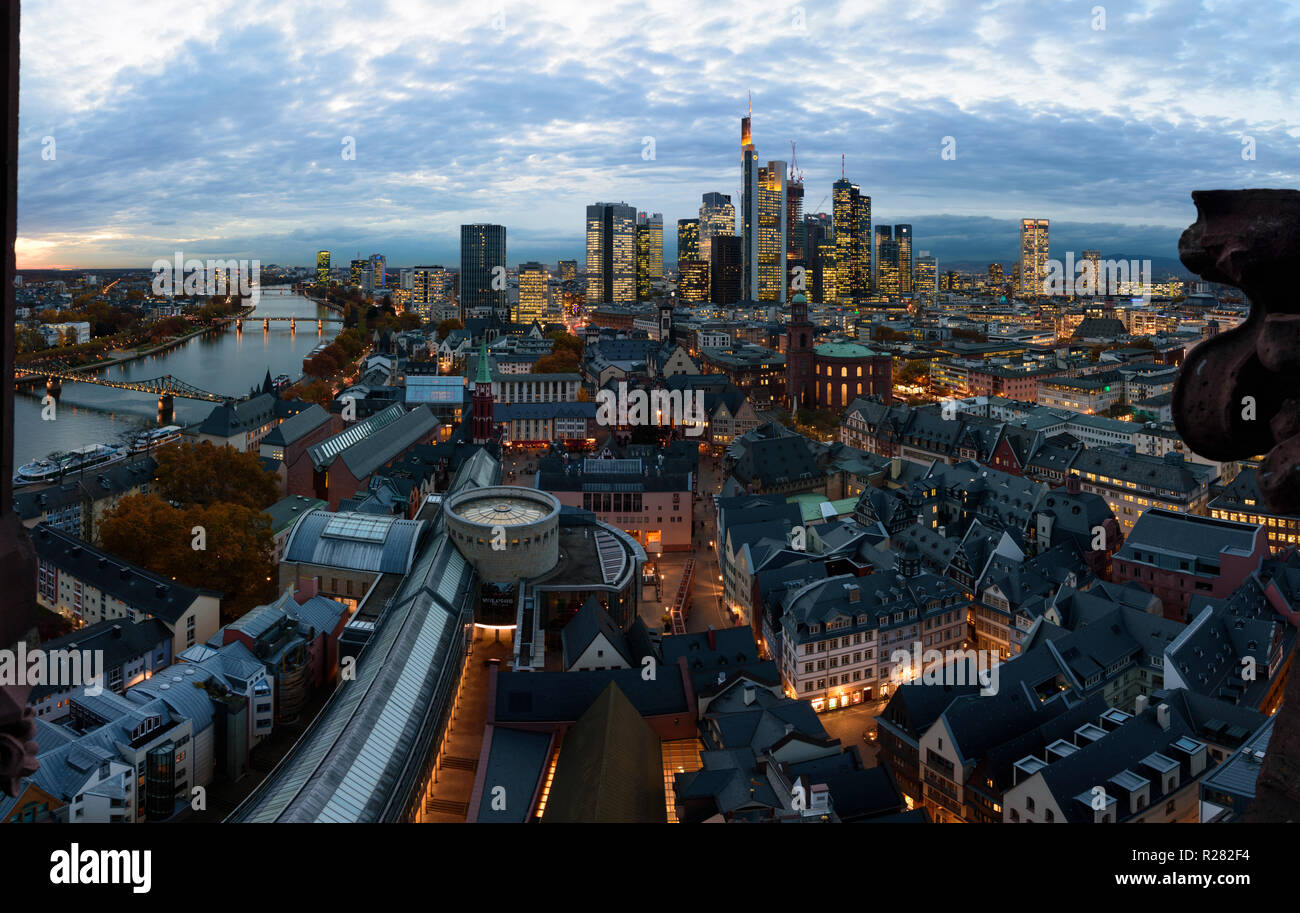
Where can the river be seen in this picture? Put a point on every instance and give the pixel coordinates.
(227, 362)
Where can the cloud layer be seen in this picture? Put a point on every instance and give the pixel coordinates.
(219, 127)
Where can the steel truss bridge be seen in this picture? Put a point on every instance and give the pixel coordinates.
(165, 387)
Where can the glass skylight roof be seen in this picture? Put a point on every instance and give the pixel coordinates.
(358, 527)
(501, 510)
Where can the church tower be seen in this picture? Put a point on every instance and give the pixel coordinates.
(483, 401)
(799, 356)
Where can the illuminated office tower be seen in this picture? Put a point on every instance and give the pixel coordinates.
(725, 270)
(852, 240)
(717, 218)
(818, 229)
(996, 276)
(826, 276)
(568, 270)
(693, 280)
(355, 269)
(865, 265)
(1033, 256)
(323, 267)
(534, 289)
(611, 253)
(688, 240)
(888, 280)
(378, 270)
(483, 271)
(748, 212)
(796, 237)
(431, 292)
(1015, 276)
(903, 237)
(649, 252)
(927, 273)
(1092, 276)
(772, 277)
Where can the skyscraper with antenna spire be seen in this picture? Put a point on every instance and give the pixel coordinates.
(748, 208)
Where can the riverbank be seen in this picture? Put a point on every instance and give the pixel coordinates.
(125, 356)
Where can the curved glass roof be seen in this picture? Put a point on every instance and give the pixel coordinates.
(497, 510)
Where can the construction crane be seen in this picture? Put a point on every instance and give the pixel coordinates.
(795, 173)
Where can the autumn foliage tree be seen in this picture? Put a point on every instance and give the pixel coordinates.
(557, 363)
(201, 474)
(223, 547)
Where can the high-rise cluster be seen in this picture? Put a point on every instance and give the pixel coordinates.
(611, 253)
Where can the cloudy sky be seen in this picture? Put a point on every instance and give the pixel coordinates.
(220, 128)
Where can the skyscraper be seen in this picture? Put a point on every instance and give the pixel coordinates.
(355, 269)
(748, 212)
(725, 270)
(819, 230)
(996, 276)
(796, 236)
(717, 217)
(852, 213)
(927, 273)
(611, 253)
(649, 252)
(323, 267)
(534, 289)
(1033, 256)
(903, 237)
(865, 266)
(482, 270)
(773, 280)
(887, 261)
(431, 296)
(693, 280)
(1092, 277)
(688, 240)
(378, 270)
(568, 270)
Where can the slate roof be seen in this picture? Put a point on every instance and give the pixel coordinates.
(232, 418)
(773, 457)
(1164, 473)
(137, 587)
(120, 640)
(589, 622)
(90, 485)
(564, 696)
(1204, 538)
(1208, 654)
(516, 762)
(285, 512)
(296, 427)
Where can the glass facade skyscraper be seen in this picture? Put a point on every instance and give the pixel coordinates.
(482, 270)
(611, 253)
(323, 267)
(852, 213)
(772, 277)
(649, 252)
(748, 212)
(431, 295)
(1033, 256)
(717, 217)
(534, 288)
(903, 237)
(688, 240)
